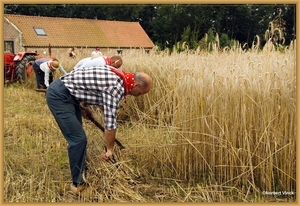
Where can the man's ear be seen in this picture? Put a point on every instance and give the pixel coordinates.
(135, 84)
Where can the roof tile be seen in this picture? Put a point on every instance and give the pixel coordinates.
(67, 32)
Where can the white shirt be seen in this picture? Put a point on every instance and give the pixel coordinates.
(95, 62)
(91, 62)
(96, 53)
(81, 62)
(44, 67)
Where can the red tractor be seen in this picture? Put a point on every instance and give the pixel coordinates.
(18, 68)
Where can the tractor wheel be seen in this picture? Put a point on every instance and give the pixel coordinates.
(24, 69)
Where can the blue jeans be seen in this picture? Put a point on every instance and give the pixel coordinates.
(40, 76)
(67, 113)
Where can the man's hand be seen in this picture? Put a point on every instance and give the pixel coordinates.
(106, 155)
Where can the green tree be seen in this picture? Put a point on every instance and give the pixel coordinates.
(146, 15)
(289, 15)
(169, 24)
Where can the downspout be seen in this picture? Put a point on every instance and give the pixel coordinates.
(20, 32)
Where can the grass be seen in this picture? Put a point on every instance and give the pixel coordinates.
(215, 127)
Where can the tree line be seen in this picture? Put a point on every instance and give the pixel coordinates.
(189, 24)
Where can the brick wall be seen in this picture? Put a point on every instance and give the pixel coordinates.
(12, 34)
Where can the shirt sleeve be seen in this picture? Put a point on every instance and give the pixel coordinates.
(62, 70)
(110, 105)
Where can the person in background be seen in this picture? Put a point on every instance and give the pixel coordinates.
(103, 86)
(39, 74)
(97, 60)
(72, 53)
(97, 52)
(44, 69)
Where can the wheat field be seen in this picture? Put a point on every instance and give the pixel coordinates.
(216, 126)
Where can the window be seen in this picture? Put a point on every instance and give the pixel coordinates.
(9, 46)
(40, 31)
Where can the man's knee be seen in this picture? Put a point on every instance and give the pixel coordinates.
(78, 142)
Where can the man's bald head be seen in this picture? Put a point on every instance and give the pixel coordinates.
(142, 84)
(116, 61)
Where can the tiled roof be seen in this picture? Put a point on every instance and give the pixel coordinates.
(68, 32)
(123, 34)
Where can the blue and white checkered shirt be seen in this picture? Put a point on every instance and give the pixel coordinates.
(97, 86)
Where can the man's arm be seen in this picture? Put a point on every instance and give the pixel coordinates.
(62, 70)
(111, 99)
(110, 140)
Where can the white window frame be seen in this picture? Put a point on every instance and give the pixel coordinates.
(39, 31)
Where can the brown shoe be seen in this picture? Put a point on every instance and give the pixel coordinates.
(83, 190)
